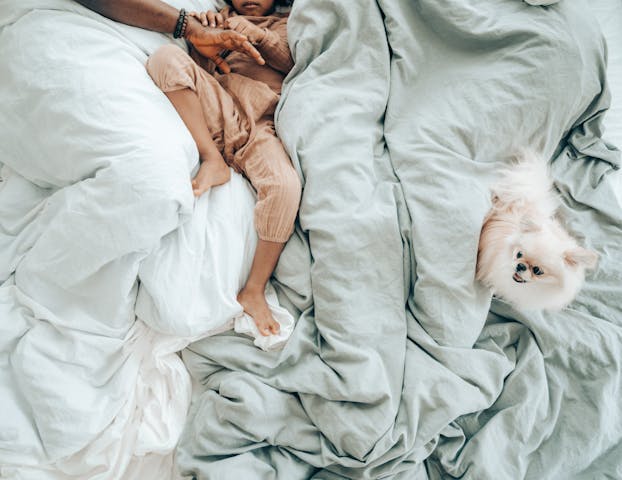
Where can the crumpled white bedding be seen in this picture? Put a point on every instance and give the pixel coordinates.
(108, 265)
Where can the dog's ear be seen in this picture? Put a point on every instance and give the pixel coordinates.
(527, 225)
(581, 256)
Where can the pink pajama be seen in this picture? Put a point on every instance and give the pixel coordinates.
(239, 113)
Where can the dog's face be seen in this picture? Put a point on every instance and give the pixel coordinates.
(537, 259)
(539, 267)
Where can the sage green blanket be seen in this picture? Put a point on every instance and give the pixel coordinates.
(399, 114)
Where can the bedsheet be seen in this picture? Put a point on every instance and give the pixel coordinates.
(400, 365)
(398, 114)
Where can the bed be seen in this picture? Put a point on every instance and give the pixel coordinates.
(123, 353)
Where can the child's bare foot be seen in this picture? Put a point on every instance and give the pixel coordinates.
(211, 173)
(254, 303)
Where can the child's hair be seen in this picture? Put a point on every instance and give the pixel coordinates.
(277, 3)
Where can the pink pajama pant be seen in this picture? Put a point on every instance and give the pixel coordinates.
(239, 113)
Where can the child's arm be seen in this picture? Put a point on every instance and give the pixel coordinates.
(271, 43)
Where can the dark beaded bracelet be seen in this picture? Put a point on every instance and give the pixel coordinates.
(182, 22)
(184, 27)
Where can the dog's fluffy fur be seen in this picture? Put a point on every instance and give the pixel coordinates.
(524, 254)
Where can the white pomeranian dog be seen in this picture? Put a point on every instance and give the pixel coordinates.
(524, 254)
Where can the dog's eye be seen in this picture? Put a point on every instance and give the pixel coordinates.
(537, 270)
(519, 255)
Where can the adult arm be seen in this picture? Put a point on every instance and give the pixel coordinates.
(160, 17)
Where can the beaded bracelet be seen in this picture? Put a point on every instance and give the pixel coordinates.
(184, 27)
(182, 24)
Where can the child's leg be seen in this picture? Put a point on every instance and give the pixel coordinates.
(201, 103)
(271, 172)
(252, 296)
(213, 170)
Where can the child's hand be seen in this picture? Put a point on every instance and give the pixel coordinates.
(213, 19)
(239, 24)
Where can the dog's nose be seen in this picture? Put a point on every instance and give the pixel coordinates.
(521, 267)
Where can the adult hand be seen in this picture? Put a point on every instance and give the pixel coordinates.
(238, 24)
(210, 42)
(214, 19)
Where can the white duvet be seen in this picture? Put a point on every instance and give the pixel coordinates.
(108, 264)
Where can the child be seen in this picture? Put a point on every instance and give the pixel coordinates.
(230, 117)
